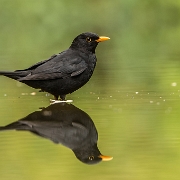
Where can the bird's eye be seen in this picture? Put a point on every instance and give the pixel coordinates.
(88, 39)
(91, 158)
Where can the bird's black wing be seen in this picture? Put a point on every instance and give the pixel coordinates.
(66, 64)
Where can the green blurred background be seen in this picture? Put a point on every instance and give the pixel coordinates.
(133, 96)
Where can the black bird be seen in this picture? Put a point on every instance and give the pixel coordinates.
(65, 124)
(65, 72)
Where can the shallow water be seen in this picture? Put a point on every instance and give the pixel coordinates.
(138, 124)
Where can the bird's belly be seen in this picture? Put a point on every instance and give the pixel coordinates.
(69, 85)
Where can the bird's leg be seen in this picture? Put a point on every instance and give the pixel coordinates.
(56, 97)
(63, 97)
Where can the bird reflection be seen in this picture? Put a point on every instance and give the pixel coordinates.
(64, 124)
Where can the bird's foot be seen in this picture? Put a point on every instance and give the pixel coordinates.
(60, 101)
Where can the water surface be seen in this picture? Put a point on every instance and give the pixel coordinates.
(137, 125)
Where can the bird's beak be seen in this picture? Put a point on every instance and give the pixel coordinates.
(102, 38)
(105, 158)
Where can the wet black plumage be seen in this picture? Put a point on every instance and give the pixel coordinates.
(65, 124)
(65, 72)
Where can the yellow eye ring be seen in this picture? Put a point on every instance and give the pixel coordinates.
(91, 158)
(88, 39)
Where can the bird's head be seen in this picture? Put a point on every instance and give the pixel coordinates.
(91, 155)
(87, 41)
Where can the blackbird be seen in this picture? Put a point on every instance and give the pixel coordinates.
(65, 72)
(65, 124)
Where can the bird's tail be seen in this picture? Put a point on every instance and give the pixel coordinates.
(14, 75)
(3, 128)
(13, 126)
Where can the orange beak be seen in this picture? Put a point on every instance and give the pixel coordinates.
(105, 158)
(102, 38)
